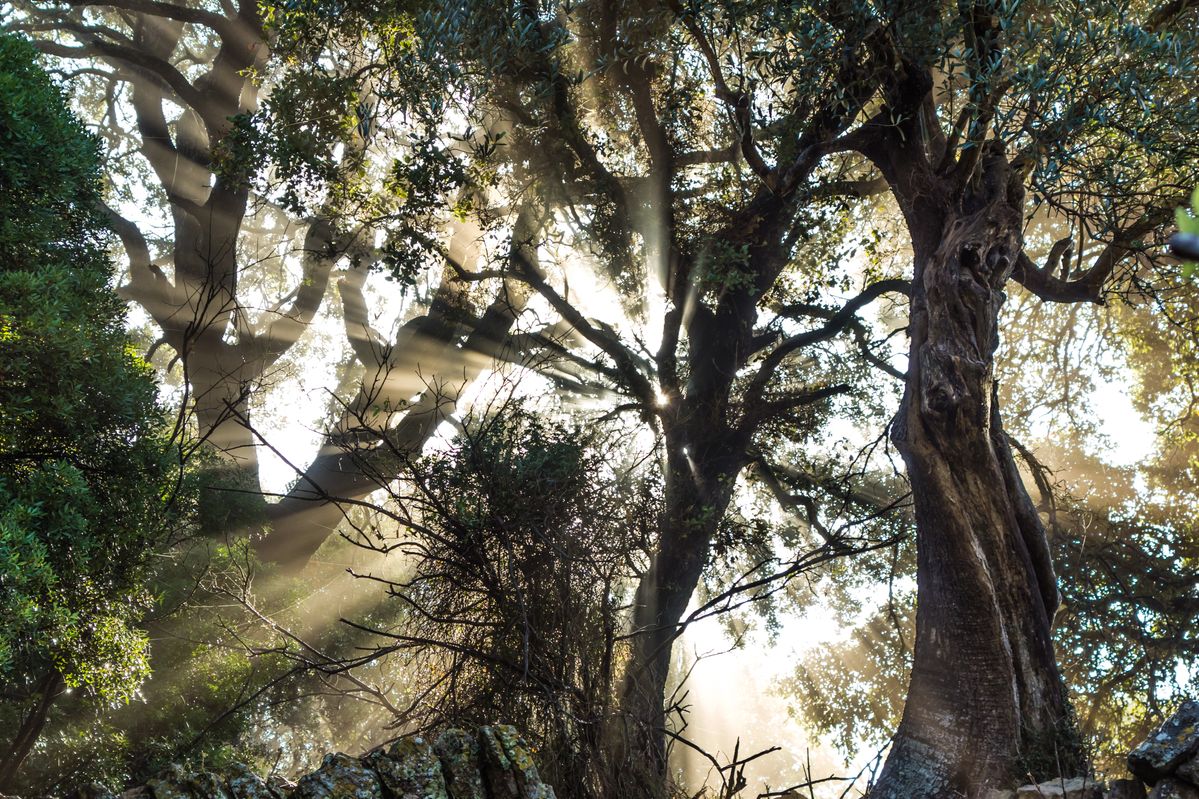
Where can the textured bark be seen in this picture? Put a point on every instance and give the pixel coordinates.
(706, 449)
(638, 751)
(195, 300)
(694, 507)
(986, 699)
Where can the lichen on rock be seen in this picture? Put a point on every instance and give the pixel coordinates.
(244, 783)
(171, 783)
(458, 751)
(409, 769)
(488, 763)
(339, 777)
(1176, 741)
(1171, 788)
(524, 769)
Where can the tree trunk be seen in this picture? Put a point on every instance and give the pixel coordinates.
(705, 452)
(986, 704)
(222, 408)
(698, 489)
(48, 690)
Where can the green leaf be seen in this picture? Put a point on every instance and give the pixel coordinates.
(1185, 221)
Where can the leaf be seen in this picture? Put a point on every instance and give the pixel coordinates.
(1185, 221)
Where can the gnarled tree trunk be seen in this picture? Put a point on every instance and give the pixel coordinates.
(986, 703)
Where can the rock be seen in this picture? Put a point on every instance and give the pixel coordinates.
(1170, 788)
(1126, 789)
(1173, 743)
(458, 751)
(93, 791)
(488, 763)
(280, 785)
(497, 769)
(244, 783)
(206, 785)
(409, 769)
(528, 781)
(1074, 788)
(995, 793)
(1189, 770)
(171, 783)
(339, 777)
(140, 792)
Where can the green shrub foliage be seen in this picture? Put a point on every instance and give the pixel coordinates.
(86, 461)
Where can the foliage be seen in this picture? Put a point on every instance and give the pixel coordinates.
(1187, 222)
(86, 464)
(88, 470)
(1092, 105)
(225, 686)
(522, 538)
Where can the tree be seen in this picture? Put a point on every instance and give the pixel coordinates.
(87, 465)
(164, 83)
(1118, 522)
(980, 106)
(690, 142)
(613, 133)
(235, 285)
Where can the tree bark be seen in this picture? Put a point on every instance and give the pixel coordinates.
(661, 599)
(343, 468)
(48, 690)
(707, 435)
(986, 703)
(704, 457)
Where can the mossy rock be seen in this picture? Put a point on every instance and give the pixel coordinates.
(244, 783)
(497, 768)
(1175, 742)
(458, 751)
(206, 785)
(339, 777)
(171, 783)
(520, 759)
(409, 769)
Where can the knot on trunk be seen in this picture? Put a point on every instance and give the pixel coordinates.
(952, 394)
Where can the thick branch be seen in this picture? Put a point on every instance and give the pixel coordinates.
(837, 323)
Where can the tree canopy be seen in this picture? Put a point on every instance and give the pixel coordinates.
(824, 293)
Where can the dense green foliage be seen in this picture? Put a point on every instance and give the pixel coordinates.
(86, 463)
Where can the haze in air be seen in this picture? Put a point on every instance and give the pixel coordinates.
(601, 399)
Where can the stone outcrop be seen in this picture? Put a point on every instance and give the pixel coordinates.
(1169, 759)
(489, 763)
(1075, 788)
(496, 763)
